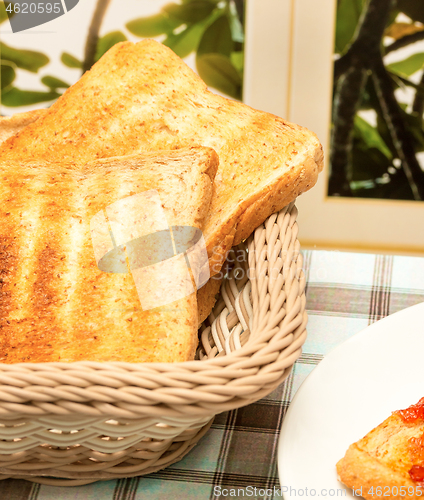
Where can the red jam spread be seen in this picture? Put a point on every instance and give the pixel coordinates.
(416, 449)
(416, 445)
(413, 413)
(416, 473)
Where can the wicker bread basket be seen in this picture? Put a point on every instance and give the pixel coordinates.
(76, 423)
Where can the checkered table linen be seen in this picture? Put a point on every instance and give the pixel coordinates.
(345, 293)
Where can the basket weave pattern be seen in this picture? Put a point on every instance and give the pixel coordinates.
(75, 423)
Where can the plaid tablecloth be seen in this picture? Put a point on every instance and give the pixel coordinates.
(346, 292)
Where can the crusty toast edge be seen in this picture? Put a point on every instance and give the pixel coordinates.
(367, 476)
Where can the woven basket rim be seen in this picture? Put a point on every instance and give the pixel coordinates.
(243, 352)
(226, 362)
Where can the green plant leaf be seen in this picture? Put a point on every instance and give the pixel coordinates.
(367, 163)
(372, 178)
(24, 59)
(369, 98)
(70, 61)
(108, 41)
(151, 26)
(348, 14)
(237, 58)
(237, 31)
(415, 129)
(17, 97)
(419, 87)
(370, 136)
(3, 14)
(408, 66)
(217, 38)
(412, 8)
(186, 42)
(54, 83)
(7, 74)
(218, 72)
(191, 12)
(393, 15)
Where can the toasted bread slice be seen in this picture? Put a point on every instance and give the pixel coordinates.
(56, 303)
(142, 97)
(206, 296)
(388, 461)
(11, 125)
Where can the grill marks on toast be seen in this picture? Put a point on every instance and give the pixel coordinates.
(36, 291)
(113, 297)
(8, 260)
(55, 303)
(84, 305)
(73, 231)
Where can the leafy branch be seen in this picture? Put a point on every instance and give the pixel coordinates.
(418, 104)
(398, 129)
(93, 34)
(213, 29)
(360, 60)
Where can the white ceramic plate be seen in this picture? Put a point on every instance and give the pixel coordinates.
(351, 391)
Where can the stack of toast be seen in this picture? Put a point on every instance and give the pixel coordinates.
(139, 120)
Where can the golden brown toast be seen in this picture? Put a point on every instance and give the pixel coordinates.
(142, 97)
(206, 295)
(56, 304)
(389, 461)
(11, 125)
